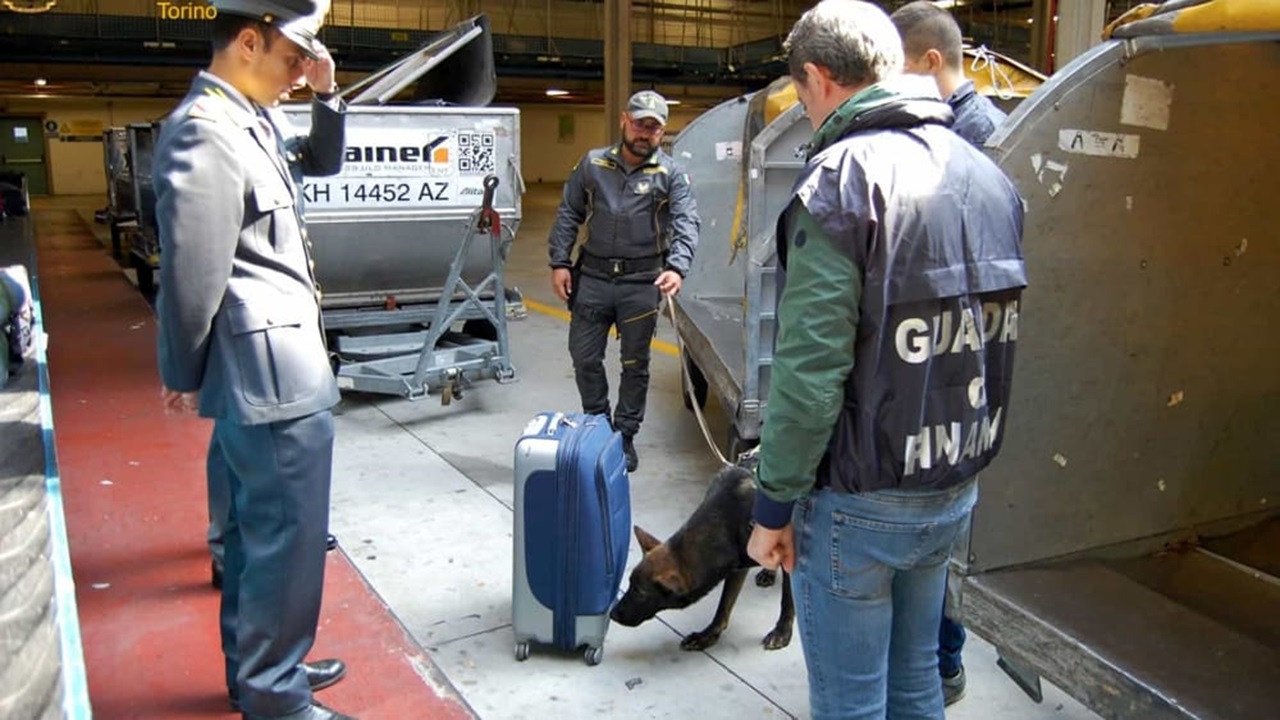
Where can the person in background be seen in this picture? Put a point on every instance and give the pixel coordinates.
(642, 231)
(932, 45)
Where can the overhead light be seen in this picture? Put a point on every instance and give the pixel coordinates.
(553, 92)
(41, 82)
(673, 102)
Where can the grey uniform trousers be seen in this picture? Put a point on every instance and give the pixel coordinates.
(278, 476)
(596, 306)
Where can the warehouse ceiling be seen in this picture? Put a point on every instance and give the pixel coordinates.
(707, 50)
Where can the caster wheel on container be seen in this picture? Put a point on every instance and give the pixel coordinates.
(522, 651)
(593, 656)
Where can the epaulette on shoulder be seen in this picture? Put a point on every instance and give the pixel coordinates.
(208, 107)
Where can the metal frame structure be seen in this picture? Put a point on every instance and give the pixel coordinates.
(445, 361)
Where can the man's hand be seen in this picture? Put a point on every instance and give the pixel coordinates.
(669, 283)
(562, 283)
(319, 73)
(772, 548)
(175, 401)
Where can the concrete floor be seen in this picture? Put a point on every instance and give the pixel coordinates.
(422, 500)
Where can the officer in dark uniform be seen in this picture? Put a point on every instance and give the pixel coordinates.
(641, 233)
(240, 334)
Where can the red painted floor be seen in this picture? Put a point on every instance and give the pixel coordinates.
(133, 481)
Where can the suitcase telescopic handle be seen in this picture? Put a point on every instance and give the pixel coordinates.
(557, 420)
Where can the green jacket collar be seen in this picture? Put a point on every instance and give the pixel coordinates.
(898, 102)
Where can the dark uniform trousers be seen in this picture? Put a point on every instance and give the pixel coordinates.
(632, 307)
(278, 478)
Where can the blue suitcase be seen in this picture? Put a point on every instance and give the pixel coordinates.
(572, 532)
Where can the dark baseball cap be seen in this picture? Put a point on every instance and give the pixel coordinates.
(648, 104)
(298, 20)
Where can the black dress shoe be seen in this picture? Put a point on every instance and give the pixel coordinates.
(320, 675)
(323, 673)
(315, 712)
(330, 542)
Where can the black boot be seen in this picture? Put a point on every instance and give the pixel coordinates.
(629, 449)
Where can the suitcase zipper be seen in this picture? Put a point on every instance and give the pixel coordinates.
(606, 524)
(567, 610)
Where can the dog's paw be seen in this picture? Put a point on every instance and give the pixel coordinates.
(777, 639)
(700, 640)
(766, 578)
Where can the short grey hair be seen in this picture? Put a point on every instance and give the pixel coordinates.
(854, 40)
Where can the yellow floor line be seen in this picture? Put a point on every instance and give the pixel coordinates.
(661, 346)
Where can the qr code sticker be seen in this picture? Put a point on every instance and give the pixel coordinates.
(475, 153)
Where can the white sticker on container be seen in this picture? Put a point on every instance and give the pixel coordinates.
(1098, 144)
(1146, 102)
(728, 150)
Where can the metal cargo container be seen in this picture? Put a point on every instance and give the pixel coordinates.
(410, 238)
(140, 230)
(743, 156)
(119, 172)
(386, 228)
(388, 225)
(1127, 543)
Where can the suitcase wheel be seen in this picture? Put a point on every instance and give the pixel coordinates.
(593, 655)
(522, 651)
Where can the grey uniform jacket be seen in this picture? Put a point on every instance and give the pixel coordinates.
(647, 211)
(238, 305)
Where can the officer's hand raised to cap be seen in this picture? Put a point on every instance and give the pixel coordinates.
(562, 283)
(669, 283)
(320, 72)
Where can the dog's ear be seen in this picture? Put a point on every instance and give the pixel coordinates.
(647, 541)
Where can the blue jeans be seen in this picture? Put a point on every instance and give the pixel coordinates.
(951, 637)
(871, 572)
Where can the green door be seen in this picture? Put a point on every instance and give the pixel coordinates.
(22, 150)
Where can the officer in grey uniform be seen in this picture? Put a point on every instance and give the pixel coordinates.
(240, 334)
(641, 234)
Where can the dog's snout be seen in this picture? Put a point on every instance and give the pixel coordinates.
(621, 615)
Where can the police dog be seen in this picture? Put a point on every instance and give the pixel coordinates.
(709, 548)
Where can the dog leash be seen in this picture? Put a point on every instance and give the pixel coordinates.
(688, 386)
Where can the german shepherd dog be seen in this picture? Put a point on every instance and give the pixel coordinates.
(709, 548)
